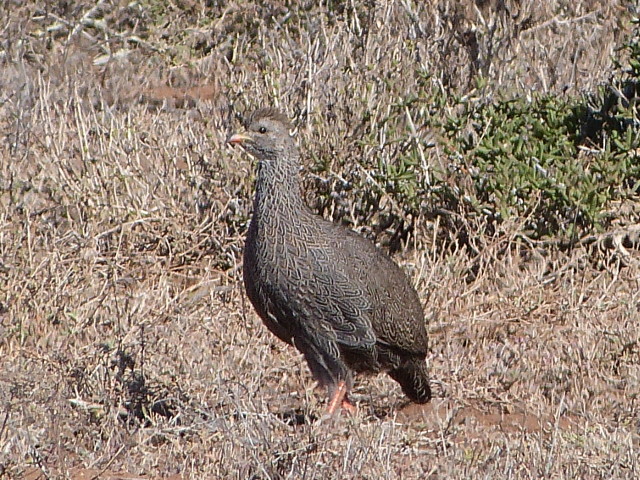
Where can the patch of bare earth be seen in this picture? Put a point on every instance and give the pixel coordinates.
(127, 347)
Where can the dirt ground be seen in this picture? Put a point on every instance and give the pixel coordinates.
(128, 349)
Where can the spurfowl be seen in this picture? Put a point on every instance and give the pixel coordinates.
(320, 287)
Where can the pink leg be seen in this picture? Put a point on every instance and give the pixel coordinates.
(340, 398)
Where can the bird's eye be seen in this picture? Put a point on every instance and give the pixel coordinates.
(262, 130)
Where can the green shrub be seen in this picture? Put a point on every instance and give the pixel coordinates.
(531, 160)
(554, 163)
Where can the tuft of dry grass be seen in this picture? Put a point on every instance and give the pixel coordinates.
(127, 347)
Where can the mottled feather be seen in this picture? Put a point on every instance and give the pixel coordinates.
(320, 287)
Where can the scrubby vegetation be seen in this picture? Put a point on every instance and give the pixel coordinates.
(558, 162)
(491, 146)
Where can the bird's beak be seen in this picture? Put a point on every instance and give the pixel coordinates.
(238, 138)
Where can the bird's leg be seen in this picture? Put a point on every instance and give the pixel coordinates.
(337, 398)
(348, 406)
(340, 398)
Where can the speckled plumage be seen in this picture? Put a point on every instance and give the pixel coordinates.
(320, 287)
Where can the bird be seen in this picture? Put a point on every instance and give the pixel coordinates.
(321, 287)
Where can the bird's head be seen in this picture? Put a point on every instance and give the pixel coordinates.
(266, 135)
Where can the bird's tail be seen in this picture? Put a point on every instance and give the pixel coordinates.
(413, 377)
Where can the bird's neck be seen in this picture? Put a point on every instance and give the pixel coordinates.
(277, 191)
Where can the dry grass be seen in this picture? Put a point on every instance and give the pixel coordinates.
(126, 343)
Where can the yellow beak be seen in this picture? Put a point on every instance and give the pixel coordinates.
(238, 138)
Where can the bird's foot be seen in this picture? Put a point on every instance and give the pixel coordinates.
(340, 399)
(349, 407)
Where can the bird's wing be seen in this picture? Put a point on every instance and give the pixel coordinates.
(336, 307)
(348, 317)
